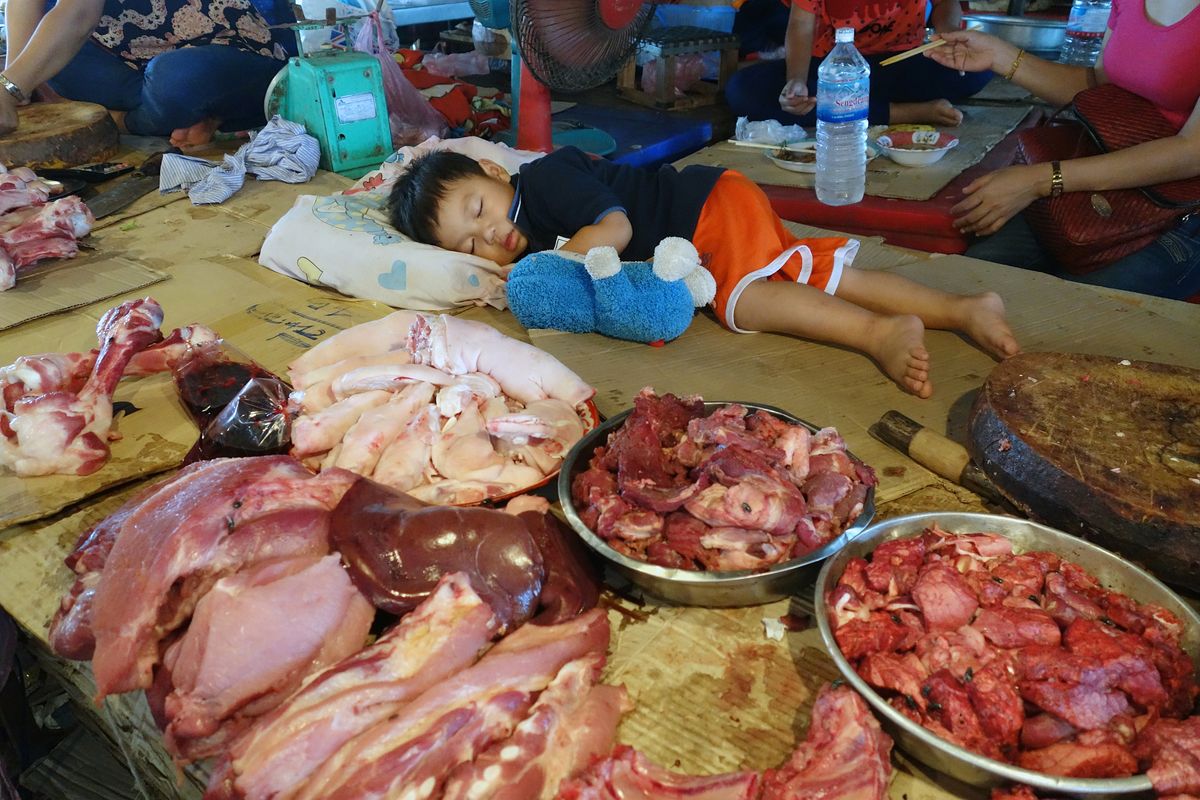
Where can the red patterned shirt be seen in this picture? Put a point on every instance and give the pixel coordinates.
(880, 26)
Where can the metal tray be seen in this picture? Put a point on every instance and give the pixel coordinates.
(1110, 569)
(694, 587)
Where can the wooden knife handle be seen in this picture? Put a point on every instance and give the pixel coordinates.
(933, 451)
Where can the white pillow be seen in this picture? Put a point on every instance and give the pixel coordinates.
(344, 241)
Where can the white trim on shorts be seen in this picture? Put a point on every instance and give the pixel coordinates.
(843, 258)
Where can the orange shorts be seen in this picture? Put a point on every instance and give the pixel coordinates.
(741, 239)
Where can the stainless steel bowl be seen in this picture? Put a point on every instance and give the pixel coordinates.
(1042, 37)
(692, 587)
(1111, 570)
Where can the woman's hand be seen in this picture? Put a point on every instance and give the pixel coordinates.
(971, 51)
(8, 113)
(994, 199)
(794, 98)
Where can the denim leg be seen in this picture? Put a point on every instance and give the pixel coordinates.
(1167, 267)
(1015, 245)
(754, 92)
(187, 85)
(96, 75)
(918, 79)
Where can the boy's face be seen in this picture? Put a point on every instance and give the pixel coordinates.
(473, 217)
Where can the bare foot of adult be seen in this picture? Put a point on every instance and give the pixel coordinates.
(118, 117)
(898, 344)
(930, 112)
(982, 317)
(197, 135)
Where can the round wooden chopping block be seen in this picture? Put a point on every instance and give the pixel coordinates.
(1100, 447)
(59, 135)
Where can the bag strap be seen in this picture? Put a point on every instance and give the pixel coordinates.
(1115, 119)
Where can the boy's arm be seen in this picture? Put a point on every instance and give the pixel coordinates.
(613, 230)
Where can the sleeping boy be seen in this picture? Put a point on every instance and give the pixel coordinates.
(767, 278)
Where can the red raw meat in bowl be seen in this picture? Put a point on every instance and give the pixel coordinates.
(881, 654)
(733, 587)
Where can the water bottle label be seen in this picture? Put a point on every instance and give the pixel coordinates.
(843, 101)
(1087, 22)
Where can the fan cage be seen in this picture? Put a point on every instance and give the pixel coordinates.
(567, 45)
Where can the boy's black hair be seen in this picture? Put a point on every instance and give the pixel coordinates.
(418, 193)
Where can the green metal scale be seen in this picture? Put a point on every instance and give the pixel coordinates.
(337, 95)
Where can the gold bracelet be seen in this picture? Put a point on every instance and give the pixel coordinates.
(1056, 179)
(1016, 63)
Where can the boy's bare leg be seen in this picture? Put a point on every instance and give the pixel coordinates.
(896, 342)
(979, 316)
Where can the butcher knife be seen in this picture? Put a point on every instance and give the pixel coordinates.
(141, 182)
(935, 452)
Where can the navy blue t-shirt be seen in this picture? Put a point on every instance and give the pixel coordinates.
(564, 191)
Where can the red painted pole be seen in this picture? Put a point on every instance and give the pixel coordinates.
(533, 110)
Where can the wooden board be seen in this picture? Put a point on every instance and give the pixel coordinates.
(1108, 448)
(59, 135)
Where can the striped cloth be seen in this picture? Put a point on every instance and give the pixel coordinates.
(280, 151)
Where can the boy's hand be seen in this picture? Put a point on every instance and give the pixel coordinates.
(612, 231)
(794, 98)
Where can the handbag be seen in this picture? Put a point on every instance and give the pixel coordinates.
(1085, 231)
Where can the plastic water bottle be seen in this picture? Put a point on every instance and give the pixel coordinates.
(843, 94)
(1085, 32)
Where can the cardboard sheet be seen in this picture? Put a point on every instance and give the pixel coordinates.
(982, 128)
(65, 283)
(270, 318)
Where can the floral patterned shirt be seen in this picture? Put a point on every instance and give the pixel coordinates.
(139, 30)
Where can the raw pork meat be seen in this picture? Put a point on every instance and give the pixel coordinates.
(572, 724)
(525, 373)
(443, 636)
(21, 187)
(1023, 658)
(253, 637)
(459, 718)
(62, 432)
(35, 233)
(729, 491)
(227, 514)
(629, 775)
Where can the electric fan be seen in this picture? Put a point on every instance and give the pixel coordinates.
(568, 45)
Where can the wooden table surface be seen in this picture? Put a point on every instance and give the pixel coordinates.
(712, 693)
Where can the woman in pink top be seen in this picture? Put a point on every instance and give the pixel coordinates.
(1149, 49)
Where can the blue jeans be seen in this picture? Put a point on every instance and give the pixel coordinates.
(1167, 267)
(754, 91)
(176, 89)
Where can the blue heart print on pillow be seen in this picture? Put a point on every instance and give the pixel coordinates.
(397, 279)
(473, 280)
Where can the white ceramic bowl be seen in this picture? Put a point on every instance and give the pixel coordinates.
(916, 148)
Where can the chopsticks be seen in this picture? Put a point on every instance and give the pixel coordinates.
(763, 146)
(913, 52)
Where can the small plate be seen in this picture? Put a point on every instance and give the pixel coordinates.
(808, 152)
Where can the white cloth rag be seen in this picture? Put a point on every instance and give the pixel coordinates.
(280, 151)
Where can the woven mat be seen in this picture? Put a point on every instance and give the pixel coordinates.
(982, 128)
(63, 284)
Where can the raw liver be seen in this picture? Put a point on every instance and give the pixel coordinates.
(1099, 448)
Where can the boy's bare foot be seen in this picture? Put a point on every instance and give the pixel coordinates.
(898, 344)
(199, 134)
(983, 319)
(930, 112)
